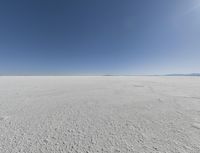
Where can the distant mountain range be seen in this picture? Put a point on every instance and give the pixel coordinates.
(190, 74)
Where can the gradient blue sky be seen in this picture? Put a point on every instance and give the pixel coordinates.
(48, 37)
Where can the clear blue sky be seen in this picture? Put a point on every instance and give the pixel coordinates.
(46, 37)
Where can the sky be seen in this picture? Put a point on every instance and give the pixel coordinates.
(98, 37)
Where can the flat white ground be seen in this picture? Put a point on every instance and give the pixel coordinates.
(100, 114)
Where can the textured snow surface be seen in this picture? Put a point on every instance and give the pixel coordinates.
(100, 114)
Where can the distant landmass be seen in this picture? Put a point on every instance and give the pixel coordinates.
(190, 74)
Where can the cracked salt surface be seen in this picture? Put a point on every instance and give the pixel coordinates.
(99, 114)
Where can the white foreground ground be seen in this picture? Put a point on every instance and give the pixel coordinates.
(100, 114)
